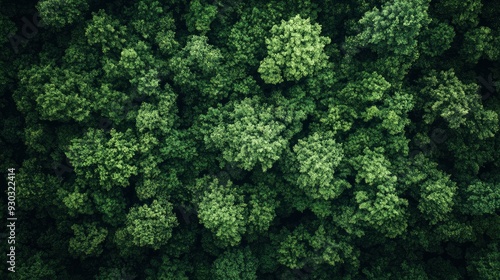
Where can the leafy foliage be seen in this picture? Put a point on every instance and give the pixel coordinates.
(295, 50)
(251, 140)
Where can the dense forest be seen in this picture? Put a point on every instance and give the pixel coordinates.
(240, 140)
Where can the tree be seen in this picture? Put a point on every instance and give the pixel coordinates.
(248, 133)
(380, 208)
(221, 210)
(478, 43)
(106, 160)
(393, 28)
(484, 263)
(318, 156)
(87, 240)
(201, 60)
(106, 32)
(149, 225)
(236, 264)
(200, 16)
(462, 15)
(58, 13)
(391, 34)
(483, 198)
(294, 51)
(449, 98)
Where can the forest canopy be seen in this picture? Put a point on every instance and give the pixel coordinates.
(233, 139)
